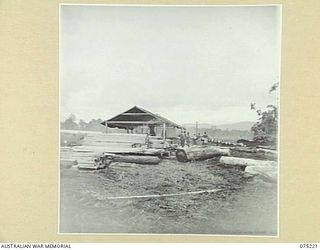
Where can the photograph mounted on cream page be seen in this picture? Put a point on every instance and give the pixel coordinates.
(169, 119)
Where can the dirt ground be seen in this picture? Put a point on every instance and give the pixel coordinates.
(245, 205)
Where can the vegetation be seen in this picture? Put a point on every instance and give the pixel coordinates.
(266, 129)
(217, 134)
(93, 125)
(223, 134)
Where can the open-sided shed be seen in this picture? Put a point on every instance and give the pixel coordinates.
(137, 119)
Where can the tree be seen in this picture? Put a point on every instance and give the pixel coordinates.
(266, 129)
(72, 117)
(70, 123)
(82, 125)
(95, 125)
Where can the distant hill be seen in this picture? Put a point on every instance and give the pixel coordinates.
(237, 126)
(200, 125)
(232, 126)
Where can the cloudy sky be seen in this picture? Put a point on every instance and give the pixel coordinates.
(188, 64)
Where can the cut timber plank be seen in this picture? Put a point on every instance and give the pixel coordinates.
(97, 150)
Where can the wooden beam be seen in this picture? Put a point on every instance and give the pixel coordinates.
(135, 114)
(168, 125)
(133, 122)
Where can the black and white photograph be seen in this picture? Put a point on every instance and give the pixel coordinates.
(169, 118)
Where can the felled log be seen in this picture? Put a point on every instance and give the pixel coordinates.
(250, 143)
(245, 149)
(267, 173)
(267, 170)
(200, 153)
(268, 151)
(136, 159)
(246, 162)
(85, 166)
(106, 158)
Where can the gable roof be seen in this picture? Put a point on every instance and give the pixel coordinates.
(137, 116)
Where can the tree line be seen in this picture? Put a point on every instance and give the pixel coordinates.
(264, 131)
(71, 124)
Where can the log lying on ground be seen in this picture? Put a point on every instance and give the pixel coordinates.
(107, 158)
(87, 167)
(269, 174)
(267, 170)
(245, 149)
(90, 166)
(268, 151)
(200, 153)
(246, 162)
(136, 159)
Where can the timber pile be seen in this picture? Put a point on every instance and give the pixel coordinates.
(69, 156)
(117, 144)
(156, 142)
(103, 139)
(122, 140)
(114, 147)
(200, 153)
(119, 150)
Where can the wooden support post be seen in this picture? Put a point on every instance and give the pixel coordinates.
(164, 131)
(106, 128)
(196, 128)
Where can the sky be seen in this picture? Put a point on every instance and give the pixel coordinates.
(188, 64)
